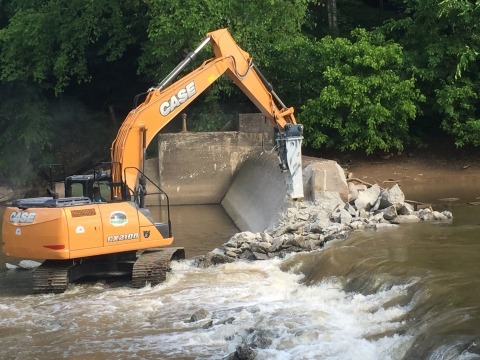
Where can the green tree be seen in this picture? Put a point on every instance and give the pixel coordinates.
(47, 50)
(56, 42)
(25, 132)
(442, 44)
(363, 103)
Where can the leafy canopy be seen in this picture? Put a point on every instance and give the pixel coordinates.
(363, 101)
(55, 42)
(442, 45)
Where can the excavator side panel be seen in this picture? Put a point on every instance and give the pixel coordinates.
(35, 233)
(120, 224)
(84, 227)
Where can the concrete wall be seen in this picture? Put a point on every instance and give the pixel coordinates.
(198, 168)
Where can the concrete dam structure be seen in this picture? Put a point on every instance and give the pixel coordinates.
(232, 168)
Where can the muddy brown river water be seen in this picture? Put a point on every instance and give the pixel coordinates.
(407, 293)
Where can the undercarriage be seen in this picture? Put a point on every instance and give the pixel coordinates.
(146, 267)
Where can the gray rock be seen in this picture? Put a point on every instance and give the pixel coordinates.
(367, 198)
(320, 215)
(311, 244)
(439, 216)
(199, 315)
(198, 260)
(376, 205)
(361, 187)
(362, 213)
(448, 214)
(318, 226)
(260, 256)
(303, 216)
(358, 224)
(406, 209)
(262, 339)
(327, 200)
(291, 228)
(425, 214)
(393, 196)
(350, 209)
(276, 244)
(214, 258)
(245, 246)
(306, 243)
(266, 238)
(208, 324)
(260, 247)
(427, 217)
(231, 254)
(226, 321)
(247, 255)
(352, 192)
(242, 237)
(244, 352)
(401, 219)
(291, 213)
(342, 216)
(6, 194)
(389, 213)
(376, 217)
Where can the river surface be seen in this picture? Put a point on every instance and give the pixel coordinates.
(407, 293)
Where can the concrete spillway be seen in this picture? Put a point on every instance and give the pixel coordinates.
(256, 194)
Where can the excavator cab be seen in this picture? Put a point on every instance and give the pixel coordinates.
(82, 185)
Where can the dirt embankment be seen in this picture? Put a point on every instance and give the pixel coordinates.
(438, 174)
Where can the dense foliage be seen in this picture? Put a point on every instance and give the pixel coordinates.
(363, 102)
(442, 45)
(368, 74)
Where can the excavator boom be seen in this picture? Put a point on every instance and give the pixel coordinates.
(165, 101)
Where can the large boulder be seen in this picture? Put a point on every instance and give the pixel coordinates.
(393, 196)
(406, 209)
(324, 176)
(366, 199)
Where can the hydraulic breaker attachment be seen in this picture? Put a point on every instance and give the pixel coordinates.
(289, 143)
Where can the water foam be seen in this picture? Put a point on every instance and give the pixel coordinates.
(302, 322)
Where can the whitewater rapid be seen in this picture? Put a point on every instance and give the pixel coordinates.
(99, 320)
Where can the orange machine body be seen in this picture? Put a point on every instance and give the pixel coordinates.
(78, 232)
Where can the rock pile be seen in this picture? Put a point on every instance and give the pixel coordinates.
(307, 225)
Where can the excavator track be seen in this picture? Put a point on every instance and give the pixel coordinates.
(152, 266)
(51, 277)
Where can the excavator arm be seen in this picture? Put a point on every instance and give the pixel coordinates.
(165, 101)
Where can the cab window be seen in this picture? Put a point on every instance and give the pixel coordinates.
(104, 189)
(76, 189)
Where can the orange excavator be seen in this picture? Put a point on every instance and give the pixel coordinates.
(102, 226)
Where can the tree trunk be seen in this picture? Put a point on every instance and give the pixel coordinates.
(112, 115)
(329, 13)
(332, 15)
(380, 5)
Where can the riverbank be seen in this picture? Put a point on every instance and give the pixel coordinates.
(438, 161)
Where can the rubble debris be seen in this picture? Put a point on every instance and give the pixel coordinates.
(309, 224)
